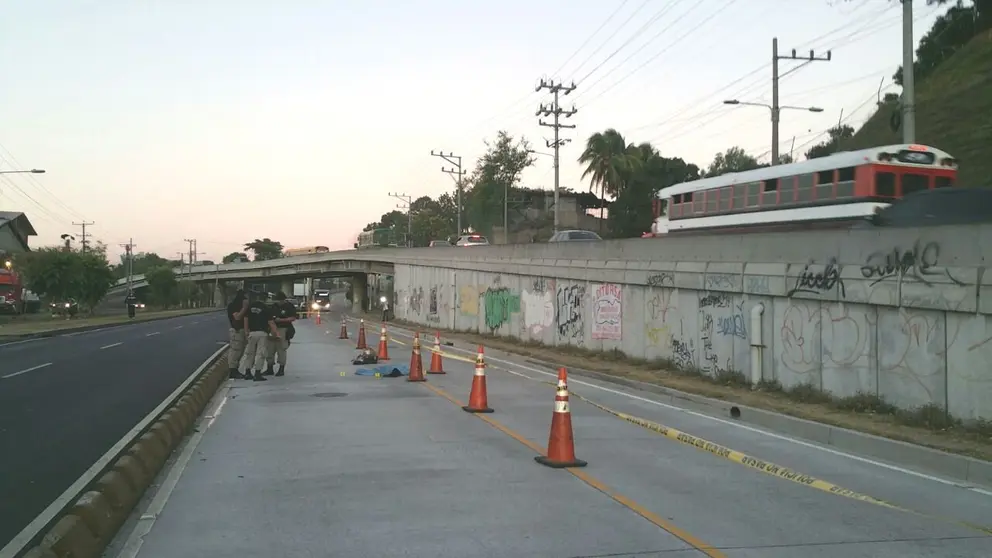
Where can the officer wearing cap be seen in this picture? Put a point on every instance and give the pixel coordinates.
(236, 334)
(260, 327)
(285, 314)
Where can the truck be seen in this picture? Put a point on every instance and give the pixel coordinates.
(14, 298)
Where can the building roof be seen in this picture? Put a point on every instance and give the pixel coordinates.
(19, 224)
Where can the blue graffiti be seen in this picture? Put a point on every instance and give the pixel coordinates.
(732, 325)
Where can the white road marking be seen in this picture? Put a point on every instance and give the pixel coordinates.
(26, 370)
(152, 333)
(782, 437)
(22, 341)
(178, 327)
(111, 346)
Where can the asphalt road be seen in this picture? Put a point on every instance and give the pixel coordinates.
(66, 400)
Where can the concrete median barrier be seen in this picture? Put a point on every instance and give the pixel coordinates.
(84, 528)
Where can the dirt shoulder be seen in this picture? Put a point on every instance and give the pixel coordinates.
(44, 323)
(860, 413)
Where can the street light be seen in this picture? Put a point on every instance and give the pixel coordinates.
(8, 264)
(32, 171)
(775, 109)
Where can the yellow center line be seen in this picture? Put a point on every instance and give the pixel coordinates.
(684, 536)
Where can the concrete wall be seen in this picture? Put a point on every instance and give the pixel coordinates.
(907, 329)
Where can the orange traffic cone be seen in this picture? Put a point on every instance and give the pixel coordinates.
(436, 366)
(478, 402)
(416, 365)
(318, 317)
(561, 446)
(361, 336)
(383, 346)
(344, 329)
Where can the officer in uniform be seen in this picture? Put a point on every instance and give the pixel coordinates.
(237, 337)
(285, 314)
(260, 326)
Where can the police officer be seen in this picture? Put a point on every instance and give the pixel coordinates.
(285, 314)
(131, 300)
(260, 325)
(236, 335)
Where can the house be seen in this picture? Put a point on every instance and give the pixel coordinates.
(15, 228)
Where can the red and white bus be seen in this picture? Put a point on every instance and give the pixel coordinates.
(833, 191)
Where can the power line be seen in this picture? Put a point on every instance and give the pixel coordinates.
(590, 38)
(555, 110)
(457, 173)
(82, 236)
(409, 215)
(613, 34)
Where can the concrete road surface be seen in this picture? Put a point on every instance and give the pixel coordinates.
(66, 400)
(320, 464)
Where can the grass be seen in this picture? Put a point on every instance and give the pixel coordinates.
(44, 322)
(928, 425)
(953, 108)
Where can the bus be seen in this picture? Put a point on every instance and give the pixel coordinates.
(840, 190)
(376, 238)
(304, 251)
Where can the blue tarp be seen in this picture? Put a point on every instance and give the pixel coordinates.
(385, 370)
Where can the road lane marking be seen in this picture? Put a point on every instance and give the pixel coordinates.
(152, 333)
(26, 370)
(782, 437)
(178, 327)
(633, 506)
(22, 341)
(112, 345)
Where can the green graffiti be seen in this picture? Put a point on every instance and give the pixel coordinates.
(500, 303)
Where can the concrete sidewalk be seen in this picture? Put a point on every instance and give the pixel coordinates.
(319, 464)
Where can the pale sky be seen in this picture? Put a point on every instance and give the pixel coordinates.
(225, 120)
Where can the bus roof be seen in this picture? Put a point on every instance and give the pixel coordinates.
(836, 161)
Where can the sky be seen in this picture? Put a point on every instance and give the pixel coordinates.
(224, 121)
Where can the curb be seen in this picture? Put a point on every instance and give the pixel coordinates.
(92, 327)
(895, 452)
(89, 523)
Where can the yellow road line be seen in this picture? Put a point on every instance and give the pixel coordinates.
(654, 518)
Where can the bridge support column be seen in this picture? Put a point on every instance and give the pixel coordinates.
(359, 293)
(287, 287)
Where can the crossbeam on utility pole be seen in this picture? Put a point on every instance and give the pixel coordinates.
(408, 200)
(456, 172)
(83, 235)
(554, 110)
(776, 109)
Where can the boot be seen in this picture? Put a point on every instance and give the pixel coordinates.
(259, 377)
(269, 370)
(235, 374)
(282, 370)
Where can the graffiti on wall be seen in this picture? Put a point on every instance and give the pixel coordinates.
(432, 309)
(916, 264)
(568, 312)
(812, 281)
(663, 279)
(539, 309)
(607, 311)
(733, 324)
(500, 303)
(417, 300)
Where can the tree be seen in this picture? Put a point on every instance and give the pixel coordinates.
(235, 257)
(608, 162)
(388, 221)
(141, 263)
(162, 286)
(832, 144)
(734, 159)
(496, 175)
(60, 274)
(265, 249)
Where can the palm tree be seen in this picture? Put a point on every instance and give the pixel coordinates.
(607, 162)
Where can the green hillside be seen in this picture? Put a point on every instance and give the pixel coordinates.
(953, 113)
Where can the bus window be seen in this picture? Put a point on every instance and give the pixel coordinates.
(804, 191)
(712, 200)
(753, 195)
(770, 195)
(845, 182)
(943, 182)
(726, 197)
(885, 184)
(740, 194)
(914, 183)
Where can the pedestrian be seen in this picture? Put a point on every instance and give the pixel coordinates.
(285, 314)
(260, 325)
(236, 335)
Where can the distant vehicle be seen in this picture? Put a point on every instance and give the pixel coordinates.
(472, 240)
(376, 238)
(321, 299)
(573, 236)
(304, 251)
(947, 206)
(829, 192)
(11, 292)
(439, 243)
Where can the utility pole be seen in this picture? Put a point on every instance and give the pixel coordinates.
(908, 79)
(129, 260)
(83, 242)
(775, 77)
(555, 110)
(182, 263)
(457, 172)
(192, 251)
(409, 216)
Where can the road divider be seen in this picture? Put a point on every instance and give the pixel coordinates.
(86, 517)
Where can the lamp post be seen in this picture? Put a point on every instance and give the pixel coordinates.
(775, 109)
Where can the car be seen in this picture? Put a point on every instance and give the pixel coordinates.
(943, 206)
(574, 235)
(439, 243)
(472, 240)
